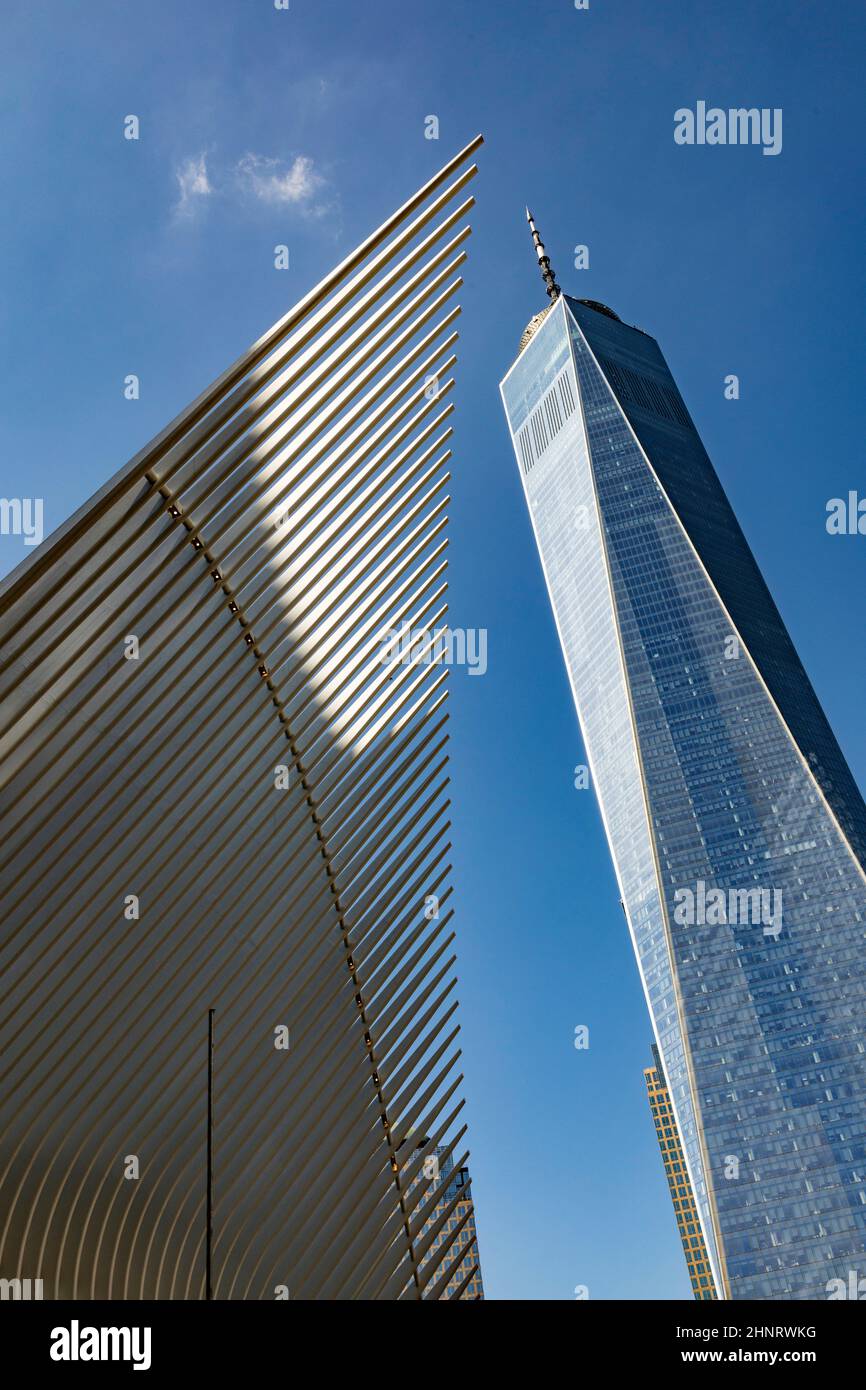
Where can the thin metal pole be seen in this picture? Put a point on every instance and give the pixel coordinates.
(209, 1235)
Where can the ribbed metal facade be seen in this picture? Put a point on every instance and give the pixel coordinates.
(217, 793)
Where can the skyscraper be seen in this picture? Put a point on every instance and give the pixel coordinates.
(218, 794)
(679, 1186)
(737, 832)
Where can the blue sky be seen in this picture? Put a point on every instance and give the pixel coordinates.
(155, 257)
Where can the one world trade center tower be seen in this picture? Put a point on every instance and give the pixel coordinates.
(737, 832)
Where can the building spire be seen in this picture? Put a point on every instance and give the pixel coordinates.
(547, 274)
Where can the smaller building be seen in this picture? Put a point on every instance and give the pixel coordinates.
(680, 1187)
(451, 1183)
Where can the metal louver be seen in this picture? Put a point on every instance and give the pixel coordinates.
(217, 793)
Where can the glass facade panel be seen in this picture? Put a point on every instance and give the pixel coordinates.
(737, 867)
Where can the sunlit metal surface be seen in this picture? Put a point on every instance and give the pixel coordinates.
(216, 794)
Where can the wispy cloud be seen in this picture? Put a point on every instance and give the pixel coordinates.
(273, 181)
(193, 185)
(294, 183)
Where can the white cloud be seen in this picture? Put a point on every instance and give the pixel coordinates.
(273, 182)
(193, 183)
(294, 183)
